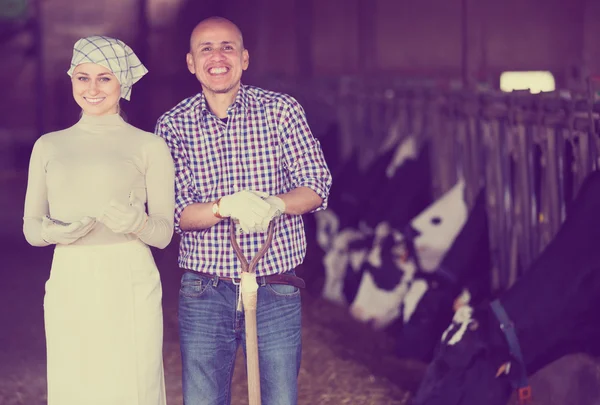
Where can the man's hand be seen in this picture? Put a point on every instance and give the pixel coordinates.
(277, 208)
(56, 232)
(247, 207)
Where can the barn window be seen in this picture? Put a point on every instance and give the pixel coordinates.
(535, 81)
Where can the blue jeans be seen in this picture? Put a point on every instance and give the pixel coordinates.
(211, 328)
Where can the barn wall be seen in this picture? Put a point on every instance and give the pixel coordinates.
(293, 39)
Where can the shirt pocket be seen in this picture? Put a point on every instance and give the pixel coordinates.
(260, 157)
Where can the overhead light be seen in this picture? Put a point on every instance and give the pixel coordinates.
(534, 81)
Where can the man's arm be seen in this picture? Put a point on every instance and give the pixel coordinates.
(305, 161)
(197, 216)
(301, 200)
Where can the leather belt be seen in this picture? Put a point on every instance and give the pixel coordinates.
(284, 278)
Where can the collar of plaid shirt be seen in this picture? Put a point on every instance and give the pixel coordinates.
(241, 99)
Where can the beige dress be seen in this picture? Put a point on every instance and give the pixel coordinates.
(103, 301)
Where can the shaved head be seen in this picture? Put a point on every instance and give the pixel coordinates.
(212, 22)
(217, 56)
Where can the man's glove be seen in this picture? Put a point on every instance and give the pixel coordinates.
(277, 208)
(121, 218)
(56, 232)
(247, 207)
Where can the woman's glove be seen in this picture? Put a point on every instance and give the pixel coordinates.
(55, 232)
(122, 218)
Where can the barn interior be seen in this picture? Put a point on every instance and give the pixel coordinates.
(457, 133)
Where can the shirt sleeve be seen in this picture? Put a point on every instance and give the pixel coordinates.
(160, 192)
(36, 197)
(303, 154)
(184, 187)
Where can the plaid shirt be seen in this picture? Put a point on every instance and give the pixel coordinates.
(266, 145)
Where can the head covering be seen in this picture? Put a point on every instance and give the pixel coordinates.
(114, 55)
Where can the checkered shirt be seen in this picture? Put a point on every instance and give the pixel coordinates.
(266, 145)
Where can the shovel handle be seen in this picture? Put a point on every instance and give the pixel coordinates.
(252, 359)
(249, 267)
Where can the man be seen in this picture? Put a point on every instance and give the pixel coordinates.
(242, 154)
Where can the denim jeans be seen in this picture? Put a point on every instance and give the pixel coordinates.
(211, 328)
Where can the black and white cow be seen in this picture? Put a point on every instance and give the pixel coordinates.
(463, 272)
(397, 184)
(388, 285)
(342, 261)
(407, 190)
(345, 201)
(344, 236)
(322, 227)
(552, 311)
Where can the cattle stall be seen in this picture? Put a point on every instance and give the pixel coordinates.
(522, 156)
(530, 151)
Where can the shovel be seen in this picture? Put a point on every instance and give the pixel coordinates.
(249, 291)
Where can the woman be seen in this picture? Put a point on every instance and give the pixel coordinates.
(86, 191)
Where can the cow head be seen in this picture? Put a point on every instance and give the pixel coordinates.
(470, 364)
(430, 303)
(439, 224)
(327, 226)
(343, 255)
(384, 279)
(426, 305)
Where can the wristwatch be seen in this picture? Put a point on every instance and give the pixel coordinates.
(215, 209)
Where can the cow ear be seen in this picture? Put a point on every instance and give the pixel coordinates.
(463, 299)
(503, 369)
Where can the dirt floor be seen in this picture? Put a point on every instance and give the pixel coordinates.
(342, 362)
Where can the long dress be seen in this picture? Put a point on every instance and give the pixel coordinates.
(103, 299)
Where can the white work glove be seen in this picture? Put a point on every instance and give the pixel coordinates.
(122, 218)
(277, 208)
(60, 233)
(247, 207)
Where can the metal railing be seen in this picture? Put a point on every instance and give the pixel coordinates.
(530, 151)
